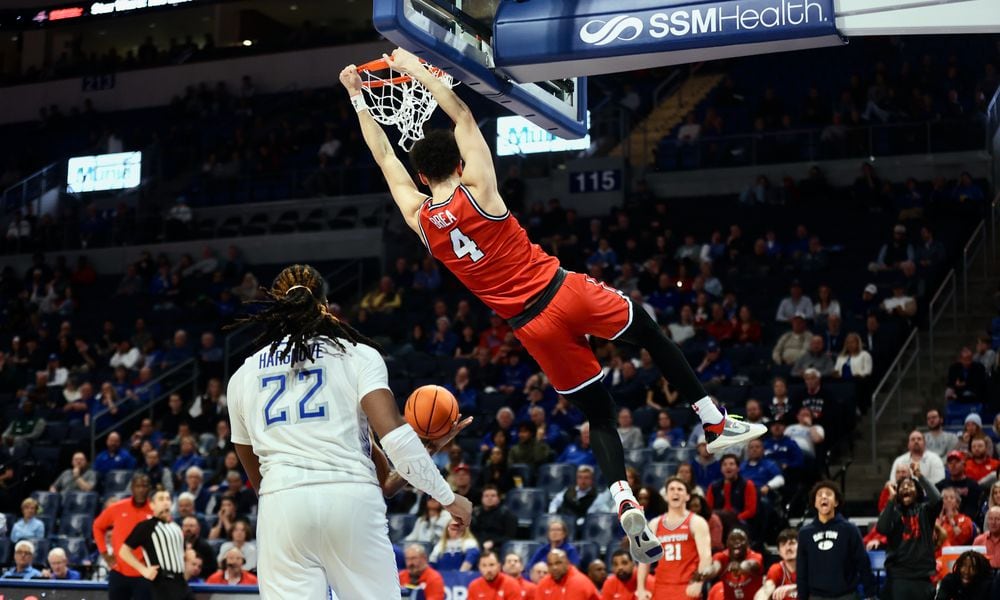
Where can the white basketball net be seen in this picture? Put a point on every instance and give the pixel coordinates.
(394, 98)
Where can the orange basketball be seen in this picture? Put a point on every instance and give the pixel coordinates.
(431, 410)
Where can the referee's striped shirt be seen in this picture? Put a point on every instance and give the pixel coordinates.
(163, 544)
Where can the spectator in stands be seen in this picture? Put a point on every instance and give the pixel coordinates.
(493, 524)
(384, 299)
(930, 464)
(145, 433)
(24, 555)
(746, 329)
(193, 540)
(893, 252)
(738, 568)
(972, 430)
(707, 468)
(457, 550)
(159, 476)
(815, 398)
(985, 355)
(192, 567)
(29, 526)
(557, 538)
(733, 494)
(967, 488)
(826, 305)
(792, 344)
(762, 471)
(967, 192)
(418, 574)
(113, 458)
(188, 457)
(966, 379)
(207, 408)
(957, 525)
(815, 358)
(782, 449)
(59, 567)
(126, 356)
(854, 362)
(194, 477)
(26, 427)
(780, 405)
(665, 435)
(807, 434)
(714, 370)
(233, 570)
(528, 449)
(78, 478)
(991, 537)
(121, 517)
(549, 433)
(492, 583)
(431, 522)
(938, 440)
(867, 306)
(579, 501)
(227, 515)
(970, 577)
(980, 463)
(908, 524)
(579, 453)
(831, 559)
(901, 304)
(630, 434)
(564, 580)
(930, 254)
(794, 304)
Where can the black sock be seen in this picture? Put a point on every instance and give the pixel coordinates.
(599, 409)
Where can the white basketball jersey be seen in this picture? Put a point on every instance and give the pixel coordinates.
(304, 418)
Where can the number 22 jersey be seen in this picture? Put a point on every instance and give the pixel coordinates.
(490, 254)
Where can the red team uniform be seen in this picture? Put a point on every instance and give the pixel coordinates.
(679, 562)
(616, 589)
(493, 257)
(736, 587)
(780, 575)
(503, 587)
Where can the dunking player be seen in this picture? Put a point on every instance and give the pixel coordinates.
(466, 225)
(687, 549)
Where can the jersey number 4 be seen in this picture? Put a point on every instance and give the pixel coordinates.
(275, 416)
(464, 246)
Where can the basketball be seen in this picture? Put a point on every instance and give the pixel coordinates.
(431, 410)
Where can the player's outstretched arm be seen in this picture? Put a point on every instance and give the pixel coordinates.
(390, 480)
(478, 172)
(404, 191)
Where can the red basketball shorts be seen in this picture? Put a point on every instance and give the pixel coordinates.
(557, 337)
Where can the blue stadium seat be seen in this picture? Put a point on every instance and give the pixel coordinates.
(656, 473)
(603, 529)
(526, 503)
(555, 477)
(48, 503)
(79, 503)
(639, 458)
(400, 525)
(523, 548)
(76, 525)
(76, 548)
(6, 550)
(955, 412)
(41, 551)
(117, 480)
(588, 552)
(48, 521)
(216, 545)
(540, 527)
(679, 454)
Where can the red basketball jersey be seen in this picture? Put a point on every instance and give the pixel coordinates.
(680, 553)
(780, 575)
(491, 255)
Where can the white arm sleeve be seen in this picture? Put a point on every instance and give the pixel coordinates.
(414, 464)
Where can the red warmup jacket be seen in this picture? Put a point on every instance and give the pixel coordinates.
(121, 517)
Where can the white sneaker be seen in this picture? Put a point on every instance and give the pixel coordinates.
(731, 431)
(643, 545)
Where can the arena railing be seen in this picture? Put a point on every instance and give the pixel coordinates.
(30, 189)
(180, 376)
(970, 252)
(890, 387)
(946, 295)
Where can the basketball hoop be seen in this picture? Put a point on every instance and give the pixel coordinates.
(395, 98)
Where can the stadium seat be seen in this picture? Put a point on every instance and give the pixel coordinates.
(656, 473)
(76, 525)
(48, 521)
(216, 545)
(523, 548)
(41, 551)
(256, 225)
(56, 432)
(48, 503)
(555, 477)
(79, 503)
(588, 551)
(286, 223)
(540, 527)
(400, 525)
(679, 454)
(117, 481)
(314, 220)
(955, 412)
(526, 503)
(6, 550)
(76, 547)
(639, 458)
(603, 529)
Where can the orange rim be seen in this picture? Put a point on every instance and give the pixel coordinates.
(379, 64)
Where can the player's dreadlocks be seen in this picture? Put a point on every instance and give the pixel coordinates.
(296, 309)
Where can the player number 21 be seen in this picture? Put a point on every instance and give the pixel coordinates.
(464, 246)
(305, 412)
(672, 552)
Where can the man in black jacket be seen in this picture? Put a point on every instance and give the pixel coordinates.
(492, 524)
(908, 524)
(832, 558)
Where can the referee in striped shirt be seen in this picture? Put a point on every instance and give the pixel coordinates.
(162, 542)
